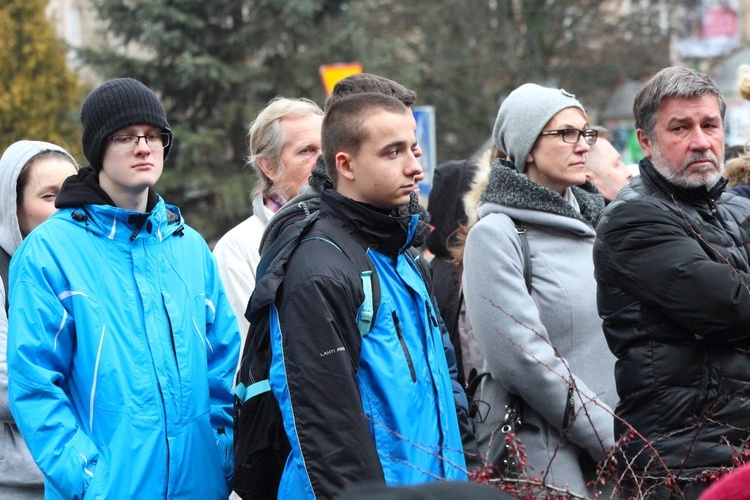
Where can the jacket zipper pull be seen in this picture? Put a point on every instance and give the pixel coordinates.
(141, 220)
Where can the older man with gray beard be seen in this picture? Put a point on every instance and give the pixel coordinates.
(673, 268)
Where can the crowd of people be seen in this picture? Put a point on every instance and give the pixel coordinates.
(604, 314)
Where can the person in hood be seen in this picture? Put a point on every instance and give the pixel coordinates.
(122, 344)
(361, 405)
(450, 183)
(284, 142)
(31, 174)
(542, 340)
(470, 352)
(672, 267)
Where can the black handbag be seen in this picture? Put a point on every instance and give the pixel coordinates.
(499, 440)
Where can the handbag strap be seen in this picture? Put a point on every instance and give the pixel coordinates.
(513, 405)
(513, 418)
(521, 231)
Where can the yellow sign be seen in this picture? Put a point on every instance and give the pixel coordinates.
(331, 74)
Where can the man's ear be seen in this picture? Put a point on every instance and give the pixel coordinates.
(644, 142)
(344, 165)
(265, 166)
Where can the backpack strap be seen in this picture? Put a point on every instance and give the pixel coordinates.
(367, 313)
(4, 267)
(244, 393)
(357, 254)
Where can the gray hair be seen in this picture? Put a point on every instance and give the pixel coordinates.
(603, 131)
(267, 137)
(672, 82)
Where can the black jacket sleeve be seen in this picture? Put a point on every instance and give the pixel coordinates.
(669, 263)
(321, 347)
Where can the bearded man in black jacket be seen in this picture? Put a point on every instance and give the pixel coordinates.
(673, 267)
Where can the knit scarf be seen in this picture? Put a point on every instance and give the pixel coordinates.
(509, 188)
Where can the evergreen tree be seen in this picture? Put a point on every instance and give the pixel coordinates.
(214, 64)
(39, 97)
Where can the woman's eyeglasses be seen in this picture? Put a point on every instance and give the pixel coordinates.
(573, 135)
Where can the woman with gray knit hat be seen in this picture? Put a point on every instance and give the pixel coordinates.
(122, 345)
(31, 174)
(542, 340)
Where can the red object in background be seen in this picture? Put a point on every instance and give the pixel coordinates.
(719, 22)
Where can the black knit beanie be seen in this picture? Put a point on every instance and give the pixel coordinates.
(114, 105)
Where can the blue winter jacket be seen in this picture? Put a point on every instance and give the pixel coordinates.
(360, 406)
(121, 353)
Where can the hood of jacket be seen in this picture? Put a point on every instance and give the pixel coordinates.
(478, 184)
(12, 162)
(84, 189)
(445, 203)
(511, 189)
(386, 232)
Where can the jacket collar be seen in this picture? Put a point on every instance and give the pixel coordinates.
(384, 231)
(699, 194)
(260, 210)
(91, 205)
(115, 223)
(510, 188)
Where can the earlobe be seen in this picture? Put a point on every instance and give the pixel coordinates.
(644, 142)
(344, 166)
(266, 168)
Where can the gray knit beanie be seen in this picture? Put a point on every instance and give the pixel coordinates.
(522, 117)
(114, 105)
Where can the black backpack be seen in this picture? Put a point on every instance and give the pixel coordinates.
(261, 446)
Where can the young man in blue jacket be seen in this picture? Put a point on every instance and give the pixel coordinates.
(122, 344)
(374, 403)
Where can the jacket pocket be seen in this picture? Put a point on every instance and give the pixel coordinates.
(97, 481)
(402, 341)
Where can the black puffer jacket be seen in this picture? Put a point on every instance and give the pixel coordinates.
(672, 270)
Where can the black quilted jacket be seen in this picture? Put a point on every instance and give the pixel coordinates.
(672, 270)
